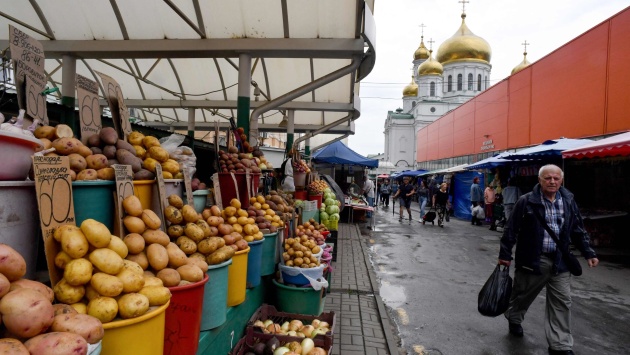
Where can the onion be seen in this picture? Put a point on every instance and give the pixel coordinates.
(285, 326)
(317, 351)
(295, 325)
(281, 350)
(267, 322)
(315, 323)
(307, 330)
(273, 328)
(300, 334)
(259, 323)
(324, 325)
(307, 345)
(292, 333)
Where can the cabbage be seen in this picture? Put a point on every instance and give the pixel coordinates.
(323, 216)
(330, 195)
(322, 209)
(299, 203)
(334, 217)
(330, 202)
(332, 209)
(327, 190)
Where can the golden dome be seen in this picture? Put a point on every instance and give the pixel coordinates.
(465, 46)
(411, 89)
(430, 66)
(524, 64)
(421, 52)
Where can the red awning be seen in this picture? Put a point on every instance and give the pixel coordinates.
(618, 145)
(383, 176)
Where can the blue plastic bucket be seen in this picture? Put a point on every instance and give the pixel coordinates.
(94, 199)
(269, 252)
(254, 263)
(214, 309)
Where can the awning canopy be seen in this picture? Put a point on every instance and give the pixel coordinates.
(382, 176)
(492, 162)
(548, 148)
(411, 173)
(339, 153)
(618, 145)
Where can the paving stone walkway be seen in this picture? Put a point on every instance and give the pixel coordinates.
(363, 325)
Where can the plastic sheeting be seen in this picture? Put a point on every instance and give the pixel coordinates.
(462, 184)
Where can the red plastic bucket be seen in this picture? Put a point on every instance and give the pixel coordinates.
(229, 188)
(317, 198)
(183, 318)
(300, 195)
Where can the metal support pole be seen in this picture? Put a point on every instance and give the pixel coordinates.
(307, 147)
(191, 126)
(290, 129)
(68, 73)
(243, 101)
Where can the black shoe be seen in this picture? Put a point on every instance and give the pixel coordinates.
(560, 352)
(516, 329)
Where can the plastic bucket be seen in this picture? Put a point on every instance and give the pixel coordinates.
(143, 189)
(200, 197)
(254, 263)
(19, 221)
(183, 318)
(174, 187)
(299, 179)
(94, 199)
(214, 309)
(237, 278)
(301, 300)
(317, 198)
(300, 195)
(269, 248)
(295, 275)
(139, 336)
(229, 189)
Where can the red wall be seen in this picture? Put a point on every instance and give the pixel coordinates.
(579, 90)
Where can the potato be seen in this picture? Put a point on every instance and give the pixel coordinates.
(66, 146)
(186, 244)
(106, 285)
(62, 308)
(127, 158)
(241, 244)
(150, 141)
(148, 273)
(78, 272)
(134, 224)
(175, 231)
(207, 232)
(194, 232)
(197, 255)
(47, 132)
(200, 263)
(150, 219)
(104, 309)
(46, 143)
(133, 305)
(116, 244)
(97, 161)
(132, 206)
(170, 277)
(221, 255)
(84, 151)
(140, 258)
(66, 293)
(132, 281)
(74, 243)
(77, 162)
(88, 327)
(134, 242)
(166, 175)
(61, 229)
(81, 308)
(62, 259)
(106, 174)
(109, 151)
(108, 135)
(94, 141)
(133, 267)
(106, 260)
(5, 285)
(96, 233)
(157, 295)
(170, 166)
(190, 272)
(121, 144)
(26, 312)
(90, 293)
(158, 153)
(173, 215)
(176, 257)
(10, 346)
(135, 138)
(158, 256)
(214, 221)
(144, 174)
(140, 151)
(156, 236)
(96, 150)
(189, 213)
(87, 174)
(210, 245)
(34, 285)
(152, 281)
(149, 164)
(57, 343)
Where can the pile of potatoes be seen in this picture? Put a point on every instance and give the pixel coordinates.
(300, 252)
(153, 250)
(98, 280)
(28, 314)
(149, 150)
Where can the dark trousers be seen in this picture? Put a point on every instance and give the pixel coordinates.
(385, 199)
(475, 221)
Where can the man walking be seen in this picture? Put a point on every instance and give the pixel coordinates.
(404, 194)
(386, 190)
(368, 191)
(510, 195)
(549, 208)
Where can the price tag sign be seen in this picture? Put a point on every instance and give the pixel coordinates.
(124, 188)
(116, 101)
(217, 191)
(89, 109)
(161, 193)
(53, 186)
(188, 185)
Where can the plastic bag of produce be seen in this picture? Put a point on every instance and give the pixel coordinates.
(494, 297)
(301, 277)
(184, 156)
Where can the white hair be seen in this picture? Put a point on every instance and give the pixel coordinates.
(549, 167)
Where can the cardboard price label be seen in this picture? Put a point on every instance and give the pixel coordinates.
(89, 108)
(161, 193)
(116, 101)
(217, 191)
(124, 188)
(188, 185)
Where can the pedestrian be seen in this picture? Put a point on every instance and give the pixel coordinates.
(423, 197)
(475, 192)
(440, 201)
(510, 195)
(378, 193)
(368, 191)
(489, 196)
(404, 194)
(477, 215)
(386, 190)
(549, 208)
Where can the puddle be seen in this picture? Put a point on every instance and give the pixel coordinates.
(393, 296)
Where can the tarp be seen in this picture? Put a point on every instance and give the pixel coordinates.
(461, 203)
(549, 148)
(339, 153)
(411, 173)
(492, 162)
(618, 145)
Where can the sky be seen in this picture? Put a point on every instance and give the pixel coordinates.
(504, 24)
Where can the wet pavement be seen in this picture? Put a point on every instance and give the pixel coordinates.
(429, 278)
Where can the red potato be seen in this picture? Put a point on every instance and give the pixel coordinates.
(62, 308)
(5, 286)
(12, 264)
(26, 312)
(57, 343)
(9, 346)
(88, 327)
(34, 285)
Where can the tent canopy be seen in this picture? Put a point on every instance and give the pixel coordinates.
(492, 162)
(411, 173)
(339, 153)
(618, 145)
(549, 148)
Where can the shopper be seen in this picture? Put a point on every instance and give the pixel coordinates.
(404, 194)
(368, 191)
(440, 201)
(475, 192)
(549, 208)
(489, 197)
(510, 195)
(423, 197)
(477, 215)
(386, 190)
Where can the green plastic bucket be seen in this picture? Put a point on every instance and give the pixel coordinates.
(214, 309)
(254, 263)
(94, 199)
(301, 300)
(269, 252)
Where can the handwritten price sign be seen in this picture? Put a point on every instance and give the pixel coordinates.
(124, 188)
(114, 95)
(89, 109)
(161, 192)
(188, 186)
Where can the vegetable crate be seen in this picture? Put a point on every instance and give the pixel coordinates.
(332, 239)
(270, 312)
(243, 346)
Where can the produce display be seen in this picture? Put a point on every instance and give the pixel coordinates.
(151, 153)
(273, 346)
(301, 251)
(19, 123)
(330, 208)
(234, 162)
(300, 166)
(317, 187)
(294, 327)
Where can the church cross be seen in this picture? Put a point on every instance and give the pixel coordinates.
(463, 2)
(422, 26)
(430, 42)
(525, 45)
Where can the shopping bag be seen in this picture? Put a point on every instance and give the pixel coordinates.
(494, 297)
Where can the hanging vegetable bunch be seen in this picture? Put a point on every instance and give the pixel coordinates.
(299, 166)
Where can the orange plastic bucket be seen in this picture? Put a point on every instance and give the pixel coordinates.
(237, 278)
(143, 189)
(143, 335)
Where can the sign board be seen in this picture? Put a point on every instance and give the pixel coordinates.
(217, 191)
(116, 101)
(89, 109)
(161, 190)
(188, 185)
(35, 102)
(124, 188)
(53, 186)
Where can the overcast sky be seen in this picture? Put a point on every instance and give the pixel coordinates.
(505, 24)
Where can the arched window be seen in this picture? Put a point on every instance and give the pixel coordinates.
(470, 81)
(460, 82)
(432, 88)
(450, 83)
(479, 82)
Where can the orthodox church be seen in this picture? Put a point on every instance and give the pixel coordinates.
(440, 83)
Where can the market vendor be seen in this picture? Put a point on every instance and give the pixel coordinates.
(355, 190)
(286, 177)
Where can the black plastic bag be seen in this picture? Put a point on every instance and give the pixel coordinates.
(494, 297)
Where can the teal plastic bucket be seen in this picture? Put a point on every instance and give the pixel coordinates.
(300, 300)
(94, 199)
(254, 263)
(269, 252)
(214, 309)
(200, 197)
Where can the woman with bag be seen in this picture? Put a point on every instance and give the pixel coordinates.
(440, 200)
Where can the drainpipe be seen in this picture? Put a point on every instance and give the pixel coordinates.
(191, 126)
(68, 73)
(243, 100)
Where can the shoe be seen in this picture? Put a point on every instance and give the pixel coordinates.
(400, 219)
(410, 219)
(560, 352)
(423, 223)
(516, 329)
